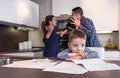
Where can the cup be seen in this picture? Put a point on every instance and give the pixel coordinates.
(8, 61)
(25, 43)
(21, 46)
(29, 44)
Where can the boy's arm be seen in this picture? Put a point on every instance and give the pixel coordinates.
(63, 55)
(91, 54)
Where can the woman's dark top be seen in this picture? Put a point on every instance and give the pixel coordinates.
(51, 44)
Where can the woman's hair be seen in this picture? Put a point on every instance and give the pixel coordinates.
(46, 22)
(77, 34)
(83, 19)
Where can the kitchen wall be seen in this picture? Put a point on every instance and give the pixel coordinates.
(45, 9)
(104, 37)
(119, 20)
(10, 38)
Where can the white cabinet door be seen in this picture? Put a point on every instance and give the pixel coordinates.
(31, 14)
(34, 17)
(8, 11)
(104, 13)
(20, 12)
(63, 6)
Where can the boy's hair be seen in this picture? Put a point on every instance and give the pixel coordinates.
(77, 34)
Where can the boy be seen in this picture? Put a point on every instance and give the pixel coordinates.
(77, 50)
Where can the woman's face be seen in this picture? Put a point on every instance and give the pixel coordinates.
(53, 22)
(76, 15)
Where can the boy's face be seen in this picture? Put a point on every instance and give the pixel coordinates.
(77, 45)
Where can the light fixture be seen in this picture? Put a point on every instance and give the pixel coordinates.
(24, 28)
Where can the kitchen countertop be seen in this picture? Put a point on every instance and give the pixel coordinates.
(23, 54)
(27, 50)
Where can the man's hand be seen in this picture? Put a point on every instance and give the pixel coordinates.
(73, 58)
(76, 21)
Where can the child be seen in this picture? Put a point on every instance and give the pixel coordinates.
(77, 50)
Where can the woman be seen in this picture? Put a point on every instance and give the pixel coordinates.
(78, 21)
(51, 39)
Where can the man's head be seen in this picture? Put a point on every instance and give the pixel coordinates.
(77, 39)
(77, 12)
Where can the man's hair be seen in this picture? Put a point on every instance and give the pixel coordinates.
(78, 10)
(77, 34)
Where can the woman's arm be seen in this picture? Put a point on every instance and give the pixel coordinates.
(63, 32)
(47, 33)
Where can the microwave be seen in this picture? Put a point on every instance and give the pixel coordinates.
(61, 24)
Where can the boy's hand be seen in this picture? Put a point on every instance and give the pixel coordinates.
(77, 55)
(73, 58)
(74, 54)
(83, 54)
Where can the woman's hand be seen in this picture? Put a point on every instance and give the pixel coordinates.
(63, 32)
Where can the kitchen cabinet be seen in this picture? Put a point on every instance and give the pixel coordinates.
(31, 14)
(20, 12)
(63, 6)
(8, 11)
(112, 55)
(104, 13)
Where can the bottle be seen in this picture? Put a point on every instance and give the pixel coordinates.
(110, 44)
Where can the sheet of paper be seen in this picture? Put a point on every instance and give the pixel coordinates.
(96, 64)
(35, 63)
(67, 67)
(101, 67)
(89, 61)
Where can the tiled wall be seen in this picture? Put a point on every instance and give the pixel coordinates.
(10, 37)
(103, 38)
